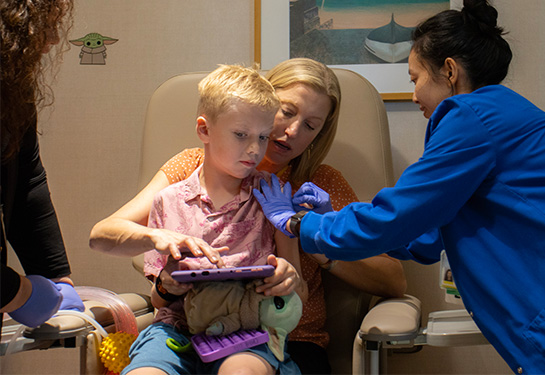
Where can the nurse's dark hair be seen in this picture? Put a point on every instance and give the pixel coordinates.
(471, 36)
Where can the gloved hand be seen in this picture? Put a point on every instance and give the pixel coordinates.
(70, 298)
(44, 301)
(314, 196)
(276, 204)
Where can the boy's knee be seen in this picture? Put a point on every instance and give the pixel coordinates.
(245, 364)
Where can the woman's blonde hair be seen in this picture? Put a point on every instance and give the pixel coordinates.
(230, 84)
(24, 32)
(323, 80)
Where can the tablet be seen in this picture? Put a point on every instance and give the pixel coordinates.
(219, 274)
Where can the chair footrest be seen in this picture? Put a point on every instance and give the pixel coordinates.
(453, 328)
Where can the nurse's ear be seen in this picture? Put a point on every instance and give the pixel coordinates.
(456, 75)
(202, 128)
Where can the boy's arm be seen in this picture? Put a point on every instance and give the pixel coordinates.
(165, 289)
(156, 300)
(288, 275)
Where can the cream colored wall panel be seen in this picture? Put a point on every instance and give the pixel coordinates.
(523, 20)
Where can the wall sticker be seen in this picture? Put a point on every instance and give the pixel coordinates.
(93, 48)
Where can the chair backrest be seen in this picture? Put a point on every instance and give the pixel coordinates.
(361, 151)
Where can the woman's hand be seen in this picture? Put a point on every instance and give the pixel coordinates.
(43, 301)
(276, 204)
(284, 281)
(311, 197)
(168, 242)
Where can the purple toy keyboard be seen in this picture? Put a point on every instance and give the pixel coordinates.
(211, 348)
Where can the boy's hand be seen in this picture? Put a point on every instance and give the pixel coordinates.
(169, 242)
(284, 281)
(172, 286)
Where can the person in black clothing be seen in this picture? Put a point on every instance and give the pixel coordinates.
(29, 29)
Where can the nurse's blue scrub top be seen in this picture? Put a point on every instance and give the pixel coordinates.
(478, 191)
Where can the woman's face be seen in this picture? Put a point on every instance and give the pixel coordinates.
(429, 90)
(301, 117)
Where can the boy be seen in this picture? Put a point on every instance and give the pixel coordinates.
(215, 204)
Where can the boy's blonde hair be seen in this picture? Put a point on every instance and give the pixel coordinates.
(323, 80)
(230, 84)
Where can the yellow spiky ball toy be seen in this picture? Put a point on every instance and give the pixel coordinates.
(114, 351)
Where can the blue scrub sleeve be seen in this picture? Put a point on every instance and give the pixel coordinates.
(458, 156)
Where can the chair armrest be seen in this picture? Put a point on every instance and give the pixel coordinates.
(393, 319)
(138, 263)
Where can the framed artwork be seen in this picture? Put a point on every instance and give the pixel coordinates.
(370, 37)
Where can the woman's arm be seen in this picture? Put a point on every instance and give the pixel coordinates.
(125, 232)
(30, 219)
(380, 275)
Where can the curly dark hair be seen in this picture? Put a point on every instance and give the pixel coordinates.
(28, 27)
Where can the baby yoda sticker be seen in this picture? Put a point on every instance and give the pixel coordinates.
(93, 50)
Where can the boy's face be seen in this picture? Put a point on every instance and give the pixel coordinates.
(237, 139)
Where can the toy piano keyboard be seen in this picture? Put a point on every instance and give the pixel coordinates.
(211, 348)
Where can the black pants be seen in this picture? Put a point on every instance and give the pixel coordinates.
(311, 358)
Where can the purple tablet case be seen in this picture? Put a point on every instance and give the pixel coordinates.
(211, 348)
(218, 274)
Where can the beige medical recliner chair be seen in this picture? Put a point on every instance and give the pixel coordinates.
(360, 336)
(361, 151)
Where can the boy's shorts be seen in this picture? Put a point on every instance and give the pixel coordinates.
(150, 350)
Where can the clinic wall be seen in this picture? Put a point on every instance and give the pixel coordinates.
(90, 141)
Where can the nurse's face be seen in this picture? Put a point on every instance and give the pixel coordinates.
(429, 90)
(300, 119)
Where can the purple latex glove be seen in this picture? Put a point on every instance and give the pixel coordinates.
(70, 298)
(315, 198)
(276, 204)
(44, 301)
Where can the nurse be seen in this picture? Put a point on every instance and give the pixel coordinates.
(478, 191)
